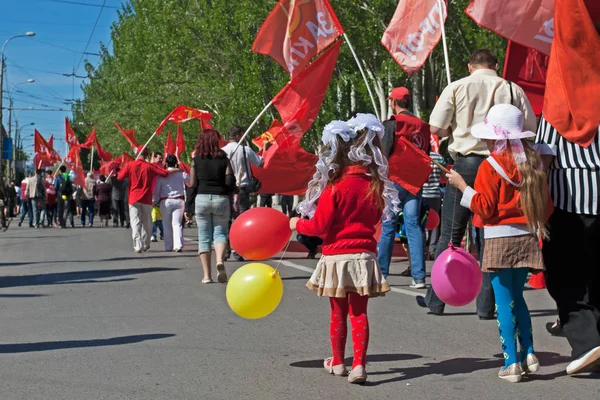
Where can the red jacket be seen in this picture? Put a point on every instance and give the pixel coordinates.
(142, 175)
(346, 215)
(414, 129)
(496, 200)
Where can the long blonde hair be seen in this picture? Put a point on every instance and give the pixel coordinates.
(532, 191)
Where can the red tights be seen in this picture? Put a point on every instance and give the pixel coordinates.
(356, 306)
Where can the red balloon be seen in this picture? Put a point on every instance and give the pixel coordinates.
(433, 220)
(260, 233)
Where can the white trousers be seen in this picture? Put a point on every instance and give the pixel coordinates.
(140, 216)
(172, 213)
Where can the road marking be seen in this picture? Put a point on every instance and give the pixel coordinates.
(311, 270)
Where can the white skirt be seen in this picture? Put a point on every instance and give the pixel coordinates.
(336, 276)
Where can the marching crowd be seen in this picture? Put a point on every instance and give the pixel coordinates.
(496, 183)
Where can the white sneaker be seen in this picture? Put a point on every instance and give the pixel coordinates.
(420, 284)
(584, 361)
(153, 239)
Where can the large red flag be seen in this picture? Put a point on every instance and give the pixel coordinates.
(73, 161)
(170, 145)
(70, 136)
(42, 148)
(287, 170)
(51, 141)
(530, 23)
(183, 114)
(296, 31)
(180, 145)
(527, 68)
(102, 154)
(129, 135)
(90, 140)
(409, 166)
(414, 32)
(572, 102)
(300, 100)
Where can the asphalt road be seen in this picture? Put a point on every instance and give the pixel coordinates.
(83, 317)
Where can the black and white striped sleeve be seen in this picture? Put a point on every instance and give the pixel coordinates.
(545, 140)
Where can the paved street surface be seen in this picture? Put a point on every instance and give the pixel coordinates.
(84, 318)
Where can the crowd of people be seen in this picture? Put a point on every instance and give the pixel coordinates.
(498, 183)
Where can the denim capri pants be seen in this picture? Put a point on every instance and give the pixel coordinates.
(212, 218)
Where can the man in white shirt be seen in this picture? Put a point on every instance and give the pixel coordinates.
(241, 160)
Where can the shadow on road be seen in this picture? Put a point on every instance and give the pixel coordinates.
(96, 260)
(295, 278)
(18, 296)
(348, 361)
(75, 277)
(76, 344)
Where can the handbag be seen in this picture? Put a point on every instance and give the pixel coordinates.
(254, 184)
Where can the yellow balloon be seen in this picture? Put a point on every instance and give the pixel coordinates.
(254, 291)
(64, 197)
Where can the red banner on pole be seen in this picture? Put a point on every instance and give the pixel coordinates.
(414, 32)
(529, 23)
(129, 134)
(296, 31)
(90, 140)
(170, 146)
(70, 136)
(102, 154)
(180, 144)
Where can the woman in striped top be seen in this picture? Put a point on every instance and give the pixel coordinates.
(571, 253)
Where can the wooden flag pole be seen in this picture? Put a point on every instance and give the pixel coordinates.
(442, 6)
(144, 147)
(362, 72)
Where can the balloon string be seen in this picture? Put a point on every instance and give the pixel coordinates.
(283, 255)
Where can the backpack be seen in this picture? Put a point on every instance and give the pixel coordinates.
(66, 187)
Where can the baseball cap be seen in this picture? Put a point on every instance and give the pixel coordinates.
(400, 93)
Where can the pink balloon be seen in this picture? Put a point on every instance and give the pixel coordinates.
(456, 277)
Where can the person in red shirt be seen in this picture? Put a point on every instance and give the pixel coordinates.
(141, 175)
(353, 192)
(512, 198)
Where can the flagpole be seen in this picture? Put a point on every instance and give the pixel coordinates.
(444, 42)
(252, 125)
(144, 147)
(92, 160)
(363, 74)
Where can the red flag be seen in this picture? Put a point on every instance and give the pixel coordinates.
(529, 23)
(170, 146)
(103, 155)
(180, 145)
(572, 102)
(296, 31)
(434, 141)
(183, 114)
(527, 68)
(44, 150)
(51, 141)
(287, 170)
(184, 167)
(409, 166)
(414, 32)
(269, 136)
(70, 136)
(108, 167)
(90, 140)
(299, 101)
(129, 135)
(73, 161)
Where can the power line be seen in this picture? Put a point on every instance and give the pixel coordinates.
(91, 35)
(46, 88)
(49, 23)
(68, 75)
(83, 4)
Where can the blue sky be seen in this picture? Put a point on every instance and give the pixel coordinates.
(62, 33)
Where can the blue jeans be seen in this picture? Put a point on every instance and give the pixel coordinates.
(38, 209)
(212, 218)
(87, 205)
(411, 208)
(157, 226)
(26, 209)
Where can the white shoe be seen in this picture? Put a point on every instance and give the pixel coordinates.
(584, 361)
(357, 375)
(153, 239)
(531, 364)
(418, 284)
(337, 370)
(513, 373)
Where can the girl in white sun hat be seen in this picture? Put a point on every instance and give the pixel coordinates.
(512, 198)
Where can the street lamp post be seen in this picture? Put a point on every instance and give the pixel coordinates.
(10, 110)
(28, 34)
(16, 145)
